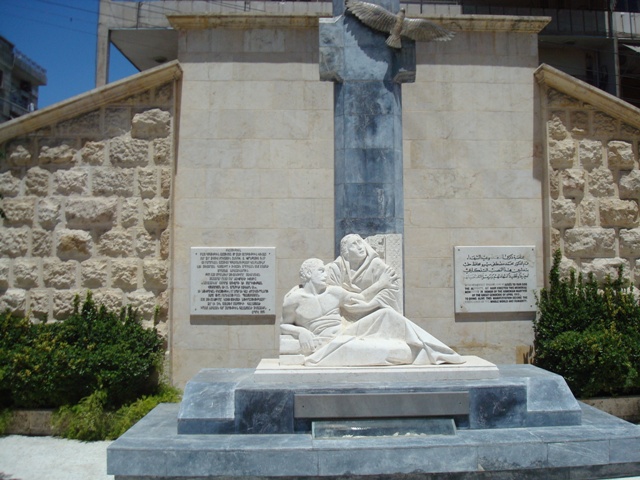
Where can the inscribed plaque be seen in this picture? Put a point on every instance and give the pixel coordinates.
(495, 279)
(232, 281)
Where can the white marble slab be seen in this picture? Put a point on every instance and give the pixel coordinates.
(495, 279)
(233, 281)
(475, 368)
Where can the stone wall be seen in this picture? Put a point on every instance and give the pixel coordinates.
(87, 205)
(594, 185)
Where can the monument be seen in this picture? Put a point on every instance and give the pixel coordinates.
(360, 390)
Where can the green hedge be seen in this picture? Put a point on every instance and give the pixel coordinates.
(54, 364)
(589, 333)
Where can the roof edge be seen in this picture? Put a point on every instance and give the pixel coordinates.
(565, 83)
(457, 23)
(90, 100)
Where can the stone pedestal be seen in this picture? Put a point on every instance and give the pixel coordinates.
(523, 423)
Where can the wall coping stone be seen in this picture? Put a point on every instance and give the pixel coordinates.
(457, 23)
(91, 100)
(548, 76)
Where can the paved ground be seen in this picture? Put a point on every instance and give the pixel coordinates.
(49, 458)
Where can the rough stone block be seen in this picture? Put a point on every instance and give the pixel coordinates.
(590, 242)
(155, 274)
(147, 182)
(75, 180)
(618, 213)
(130, 212)
(88, 123)
(162, 151)
(124, 274)
(41, 243)
(630, 242)
(5, 266)
(116, 242)
(19, 155)
(112, 181)
(9, 184)
(590, 154)
(14, 300)
(62, 304)
(109, 297)
(62, 154)
(556, 129)
(604, 124)
(26, 273)
(601, 183)
(620, 155)
(36, 182)
(14, 242)
(144, 301)
(154, 123)
(117, 121)
(145, 244)
(40, 303)
(48, 213)
(156, 213)
(128, 152)
(19, 211)
(58, 274)
(567, 266)
(74, 244)
(588, 211)
(573, 180)
(561, 153)
(88, 212)
(563, 213)
(166, 177)
(93, 153)
(601, 268)
(165, 243)
(94, 273)
(554, 183)
(579, 123)
(630, 184)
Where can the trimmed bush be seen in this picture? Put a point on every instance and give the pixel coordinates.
(589, 333)
(54, 364)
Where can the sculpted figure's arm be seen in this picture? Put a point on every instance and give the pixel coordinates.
(308, 341)
(367, 301)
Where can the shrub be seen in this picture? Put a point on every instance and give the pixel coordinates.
(589, 333)
(55, 364)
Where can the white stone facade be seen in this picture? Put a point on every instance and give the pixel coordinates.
(255, 169)
(87, 203)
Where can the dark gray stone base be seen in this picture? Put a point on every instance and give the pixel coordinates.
(600, 447)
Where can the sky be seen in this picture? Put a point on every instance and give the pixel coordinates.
(60, 36)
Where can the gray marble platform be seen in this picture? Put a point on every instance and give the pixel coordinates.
(513, 445)
(602, 447)
(221, 401)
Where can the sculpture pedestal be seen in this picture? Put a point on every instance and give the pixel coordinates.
(524, 421)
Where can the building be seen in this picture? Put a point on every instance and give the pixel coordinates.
(231, 145)
(596, 41)
(20, 78)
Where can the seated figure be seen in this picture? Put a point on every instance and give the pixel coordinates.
(312, 313)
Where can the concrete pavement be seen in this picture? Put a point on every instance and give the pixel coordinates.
(50, 458)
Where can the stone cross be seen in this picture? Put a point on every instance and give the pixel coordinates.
(367, 121)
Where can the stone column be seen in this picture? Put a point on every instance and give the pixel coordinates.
(367, 121)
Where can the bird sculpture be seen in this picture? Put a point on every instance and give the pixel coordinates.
(396, 25)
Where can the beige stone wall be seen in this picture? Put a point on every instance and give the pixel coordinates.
(473, 177)
(255, 169)
(594, 186)
(87, 204)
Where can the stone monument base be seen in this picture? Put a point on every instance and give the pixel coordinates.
(524, 423)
